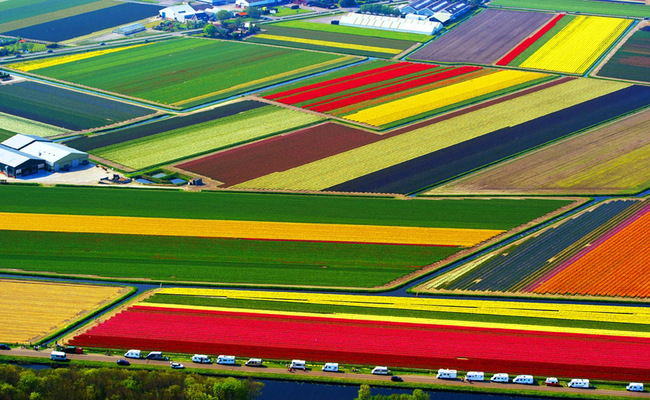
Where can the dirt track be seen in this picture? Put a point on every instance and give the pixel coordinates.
(343, 375)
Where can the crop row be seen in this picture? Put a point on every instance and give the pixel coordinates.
(371, 342)
(514, 53)
(317, 27)
(517, 266)
(632, 60)
(576, 47)
(614, 266)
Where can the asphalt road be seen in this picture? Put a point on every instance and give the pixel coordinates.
(344, 375)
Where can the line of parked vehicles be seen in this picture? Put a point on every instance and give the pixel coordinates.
(449, 374)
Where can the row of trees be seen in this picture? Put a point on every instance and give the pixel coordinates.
(380, 9)
(364, 394)
(82, 383)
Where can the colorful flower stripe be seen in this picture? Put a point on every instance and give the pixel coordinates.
(326, 43)
(578, 45)
(333, 81)
(507, 59)
(371, 342)
(429, 71)
(411, 320)
(584, 312)
(356, 83)
(51, 62)
(245, 229)
(28, 312)
(438, 98)
(372, 94)
(617, 267)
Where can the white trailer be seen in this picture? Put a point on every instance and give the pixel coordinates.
(634, 387)
(500, 378)
(331, 367)
(132, 354)
(298, 364)
(380, 370)
(524, 380)
(475, 376)
(579, 383)
(254, 362)
(201, 359)
(226, 360)
(58, 356)
(447, 374)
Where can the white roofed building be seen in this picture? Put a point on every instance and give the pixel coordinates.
(390, 23)
(178, 13)
(54, 156)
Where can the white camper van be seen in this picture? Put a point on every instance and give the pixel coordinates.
(254, 362)
(132, 354)
(579, 383)
(58, 356)
(298, 364)
(201, 359)
(523, 380)
(475, 376)
(446, 374)
(226, 360)
(500, 378)
(380, 371)
(634, 387)
(331, 367)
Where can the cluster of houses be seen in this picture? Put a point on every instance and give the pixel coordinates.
(22, 155)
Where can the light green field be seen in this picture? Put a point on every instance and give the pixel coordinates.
(17, 14)
(21, 125)
(367, 159)
(351, 30)
(188, 72)
(202, 138)
(583, 6)
(284, 11)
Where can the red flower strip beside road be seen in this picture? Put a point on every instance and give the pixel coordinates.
(373, 342)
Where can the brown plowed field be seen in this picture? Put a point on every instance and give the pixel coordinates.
(483, 39)
(281, 153)
(612, 159)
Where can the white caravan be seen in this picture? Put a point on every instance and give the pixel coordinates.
(446, 374)
(58, 356)
(226, 360)
(635, 387)
(380, 370)
(500, 378)
(475, 376)
(201, 359)
(298, 364)
(523, 380)
(254, 362)
(331, 367)
(579, 383)
(132, 354)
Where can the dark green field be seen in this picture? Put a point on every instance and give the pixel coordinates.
(5, 134)
(448, 213)
(389, 312)
(164, 258)
(632, 60)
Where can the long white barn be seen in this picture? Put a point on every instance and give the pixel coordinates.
(390, 23)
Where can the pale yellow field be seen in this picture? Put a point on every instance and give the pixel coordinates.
(578, 312)
(34, 309)
(245, 229)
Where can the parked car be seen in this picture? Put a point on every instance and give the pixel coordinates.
(4, 346)
(123, 362)
(552, 382)
(176, 365)
(396, 378)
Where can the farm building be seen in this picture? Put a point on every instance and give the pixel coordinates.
(178, 13)
(130, 29)
(56, 157)
(15, 163)
(254, 3)
(390, 23)
(441, 10)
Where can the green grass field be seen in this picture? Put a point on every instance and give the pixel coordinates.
(13, 123)
(583, 6)
(351, 30)
(444, 213)
(5, 134)
(216, 260)
(17, 14)
(205, 137)
(188, 72)
(284, 11)
(389, 312)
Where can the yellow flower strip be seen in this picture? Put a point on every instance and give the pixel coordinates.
(245, 229)
(342, 167)
(281, 76)
(28, 311)
(411, 320)
(420, 103)
(583, 312)
(51, 62)
(578, 45)
(330, 44)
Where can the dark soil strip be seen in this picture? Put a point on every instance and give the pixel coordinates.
(281, 153)
(86, 23)
(483, 39)
(447, 163)
(136, 132)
